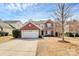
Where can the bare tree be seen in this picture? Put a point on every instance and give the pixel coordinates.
(62, 13)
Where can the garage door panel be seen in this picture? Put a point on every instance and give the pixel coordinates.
(30, 34)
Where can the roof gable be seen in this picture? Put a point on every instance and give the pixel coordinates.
(49, 21)
(30, 26)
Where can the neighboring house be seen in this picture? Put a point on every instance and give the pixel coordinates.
(73, 26)
(16, 24)
(5, 27)
(8, 26)
(34, 29)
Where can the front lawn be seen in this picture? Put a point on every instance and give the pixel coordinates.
(50, 46)
(5, 38)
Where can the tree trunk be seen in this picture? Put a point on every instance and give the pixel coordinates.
(62, 17)
(62, 31)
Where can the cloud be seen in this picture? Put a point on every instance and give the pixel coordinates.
(25, 5)
(20, 6)
(13, 6)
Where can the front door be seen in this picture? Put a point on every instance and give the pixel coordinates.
(42, 32)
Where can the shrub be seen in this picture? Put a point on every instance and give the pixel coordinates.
(3, 33)
(40, 36)
(6, 33)
(77, 35)
(69, 34)
(16, 33)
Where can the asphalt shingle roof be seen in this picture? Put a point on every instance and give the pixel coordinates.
(38, 22)
(12, 21)
(4, 25)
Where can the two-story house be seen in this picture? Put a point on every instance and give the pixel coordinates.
(34, 29)
(47, 27)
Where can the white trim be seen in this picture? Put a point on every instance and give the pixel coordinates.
(30, 34)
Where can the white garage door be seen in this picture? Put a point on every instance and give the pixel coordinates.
(30, 34)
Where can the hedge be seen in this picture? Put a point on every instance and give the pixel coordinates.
(69, 34)
(16, 33)
(77, 35)
(3, 33)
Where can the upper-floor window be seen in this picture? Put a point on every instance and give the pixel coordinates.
(42, 25)
(49, 24)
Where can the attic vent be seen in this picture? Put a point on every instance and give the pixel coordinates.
(30, 25)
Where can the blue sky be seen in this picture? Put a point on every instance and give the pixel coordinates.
(34, 11)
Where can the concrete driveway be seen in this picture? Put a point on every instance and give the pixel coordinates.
(19, 47)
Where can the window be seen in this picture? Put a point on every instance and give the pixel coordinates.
(48, 24)
(42, 26)
(48, 32)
